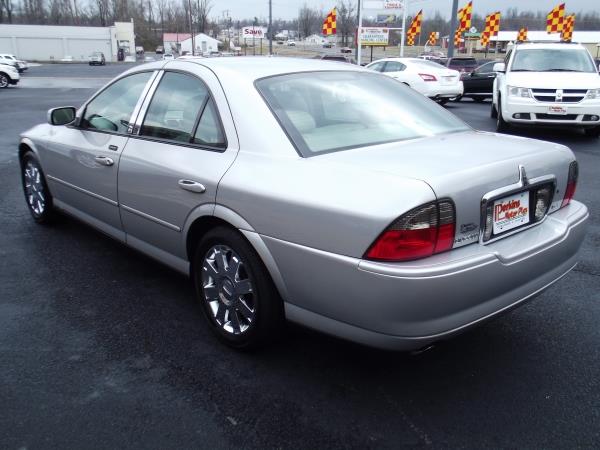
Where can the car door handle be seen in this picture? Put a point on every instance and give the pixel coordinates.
(104, 160)
(192, 186)
(114, 148)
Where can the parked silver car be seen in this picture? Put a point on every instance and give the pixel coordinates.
(318, 192)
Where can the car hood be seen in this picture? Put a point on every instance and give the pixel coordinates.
(554, 80)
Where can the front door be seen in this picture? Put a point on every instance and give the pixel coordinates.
(82, 161)
(176, 160)
(481, 80)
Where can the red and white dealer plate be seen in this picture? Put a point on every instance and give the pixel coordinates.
(511, 212)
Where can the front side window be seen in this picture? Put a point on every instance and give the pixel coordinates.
(332, 111)
(552, 60)
(111, 110)
(378, 66)
(394, 66)
(487, 67)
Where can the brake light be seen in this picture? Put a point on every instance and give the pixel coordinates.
(571, 183)
(427, 77)
(421, 232)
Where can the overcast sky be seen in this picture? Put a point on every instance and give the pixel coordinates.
(288, 9)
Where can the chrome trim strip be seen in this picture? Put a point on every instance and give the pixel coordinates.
(152, 218)
(83, 191)
(522, 184)
(141, 114)
(134, 115)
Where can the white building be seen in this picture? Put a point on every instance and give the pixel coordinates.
(202, 42)
(172, 41)
(314, 39)
(48, 42)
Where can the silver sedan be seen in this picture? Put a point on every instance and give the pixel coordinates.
(316, 192)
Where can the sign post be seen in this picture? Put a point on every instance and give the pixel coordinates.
(389, 6)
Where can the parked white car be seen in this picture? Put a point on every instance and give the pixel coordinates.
(8, 75)
(430, 79)
(168, 56)
(12, 60)
(552, 84)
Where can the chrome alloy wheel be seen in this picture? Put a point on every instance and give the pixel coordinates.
(34, 188)
(228, 289)
(3, 81)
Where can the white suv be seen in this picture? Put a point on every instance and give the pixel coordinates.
(547, 84)
(8, 75)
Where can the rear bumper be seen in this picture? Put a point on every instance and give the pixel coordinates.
(578, 113)
(405, 306)
(442, 91)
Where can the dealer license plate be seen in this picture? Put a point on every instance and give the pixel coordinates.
(511, 212)
(558, 110)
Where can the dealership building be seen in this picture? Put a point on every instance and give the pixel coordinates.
(49, 42)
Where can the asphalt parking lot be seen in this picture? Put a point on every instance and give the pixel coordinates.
(101, 347)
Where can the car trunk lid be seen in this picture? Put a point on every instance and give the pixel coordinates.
(466, 166)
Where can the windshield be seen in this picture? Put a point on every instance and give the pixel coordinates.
(552, 60)
(331, 111)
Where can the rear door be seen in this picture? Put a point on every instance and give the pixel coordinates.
(81, 162)
(183, 144)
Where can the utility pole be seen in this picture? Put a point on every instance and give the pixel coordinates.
(270, 31)
(453, 25)
(358, 46)
(227, 23)
(192, 28)
(403, 36)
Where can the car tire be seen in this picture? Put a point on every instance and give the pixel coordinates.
(501, 125)
(457, 99)
(478, 99)
(592, 132)
(493, 111)
(37, 195)
(443, 101)
(4, 81)
(240, 302)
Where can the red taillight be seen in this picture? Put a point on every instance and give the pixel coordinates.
(422, 232)
(571, 183)
(427, 77)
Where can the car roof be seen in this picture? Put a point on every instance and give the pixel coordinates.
(255, 67)
(549, 45)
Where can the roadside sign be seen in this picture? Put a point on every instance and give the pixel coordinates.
(386, 18)
(254, 33)
(383, 4)
(374, 36)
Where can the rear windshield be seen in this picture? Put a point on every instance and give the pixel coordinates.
(331, 111)
(552, 60)
(463, 62)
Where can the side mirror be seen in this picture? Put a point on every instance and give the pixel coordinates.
(499, 67)
(61, 116)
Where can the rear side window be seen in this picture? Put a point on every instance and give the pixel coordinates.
(182, 110)
(175, 107)
(111, 109)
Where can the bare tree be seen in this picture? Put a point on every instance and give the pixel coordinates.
(203, 8)
(346, 20)
(307, 20)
